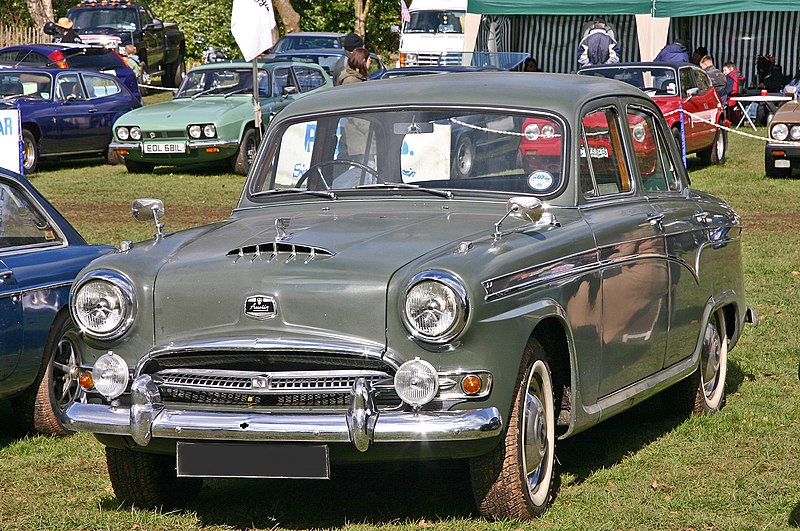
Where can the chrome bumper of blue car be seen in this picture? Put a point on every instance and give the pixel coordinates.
(362, 425)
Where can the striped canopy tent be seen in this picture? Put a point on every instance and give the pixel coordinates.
(732, 30)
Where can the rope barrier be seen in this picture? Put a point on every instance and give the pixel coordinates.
(151, 87)
(733, 130)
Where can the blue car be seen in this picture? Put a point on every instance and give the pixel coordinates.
(64, 112)
(68, 55)
(40, 255)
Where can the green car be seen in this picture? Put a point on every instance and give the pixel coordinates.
(211, 116)
(372, 300)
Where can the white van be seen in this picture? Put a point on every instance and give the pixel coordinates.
(436, 27)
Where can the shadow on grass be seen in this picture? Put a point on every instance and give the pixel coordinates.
(11, 429)
(370, 494)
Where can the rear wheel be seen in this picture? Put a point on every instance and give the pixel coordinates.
(240, 163)
(715, 153)
(771, 170)
(515, 480)
(149, 480)
(135, 166)
(30, 152)
(463, 158)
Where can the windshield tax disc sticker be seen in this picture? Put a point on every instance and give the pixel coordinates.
(540, 180)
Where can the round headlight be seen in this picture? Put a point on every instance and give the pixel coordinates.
(779, 131)
(532, 132)
(110, 375)
(416, 382)
(548, 131)
(136, 133)
(195, 131)
(794, 132)
(435, 307)
(103, 305)
(122, 133)
(209, 130)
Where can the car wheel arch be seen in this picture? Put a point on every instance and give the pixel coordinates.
(551, 333)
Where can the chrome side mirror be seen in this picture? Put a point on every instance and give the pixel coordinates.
(145, 210)
(690, 93)
(524, 208)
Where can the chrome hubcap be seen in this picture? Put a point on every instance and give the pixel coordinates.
(66, 371)
(711, 360)
(535, 438)
(538, 433)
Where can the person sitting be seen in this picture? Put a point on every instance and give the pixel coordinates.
(530, 65)
(733, 87)
(674, 52)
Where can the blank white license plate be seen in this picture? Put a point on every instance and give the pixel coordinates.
(783, 163)
(165, 147)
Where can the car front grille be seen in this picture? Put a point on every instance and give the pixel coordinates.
(286, 382)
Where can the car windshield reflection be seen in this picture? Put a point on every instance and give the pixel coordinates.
(442, 149)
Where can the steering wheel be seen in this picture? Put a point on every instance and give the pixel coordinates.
(318, 168)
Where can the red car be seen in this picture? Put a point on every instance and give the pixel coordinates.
(675, 85)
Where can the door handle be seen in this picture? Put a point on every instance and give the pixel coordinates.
(92, 111)
(5, 275)
(656, 220)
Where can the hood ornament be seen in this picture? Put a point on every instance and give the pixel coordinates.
(281, 224)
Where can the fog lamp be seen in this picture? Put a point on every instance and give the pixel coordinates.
(110, 375)
(416, 382)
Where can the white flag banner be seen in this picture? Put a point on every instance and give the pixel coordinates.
(252, 22)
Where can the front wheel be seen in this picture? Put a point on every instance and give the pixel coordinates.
(515, 480)
(240, 163)
(149, 480)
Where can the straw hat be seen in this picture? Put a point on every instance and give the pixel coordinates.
(65, 23)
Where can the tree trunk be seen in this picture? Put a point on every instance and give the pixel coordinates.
(361, 12)
(289, 17)
(41, 11)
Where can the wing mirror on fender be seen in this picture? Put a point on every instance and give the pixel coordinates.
(524, 208)
(145, 210)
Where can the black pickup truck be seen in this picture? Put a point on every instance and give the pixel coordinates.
(161, 46)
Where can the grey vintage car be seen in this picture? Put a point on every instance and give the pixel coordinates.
(366, 302)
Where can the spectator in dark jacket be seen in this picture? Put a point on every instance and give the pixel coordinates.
(65, 33)
(718, 79)
(674, 52)
(350, 42)
(598, 46)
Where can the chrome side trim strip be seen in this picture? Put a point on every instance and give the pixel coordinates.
(34, 289)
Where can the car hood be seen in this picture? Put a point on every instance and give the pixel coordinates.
(338, 293)
(184, 111)
(789, 112)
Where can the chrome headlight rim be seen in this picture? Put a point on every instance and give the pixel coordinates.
(136, 132)
(195, 131)
(462, 300)
(124, 285)
(779, 131)
(794, 132)
(209, 131)
(123, 133)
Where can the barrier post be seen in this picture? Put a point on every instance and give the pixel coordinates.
(683, 135)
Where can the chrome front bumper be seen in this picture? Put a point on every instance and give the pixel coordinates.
(362, 425)
(190, 144)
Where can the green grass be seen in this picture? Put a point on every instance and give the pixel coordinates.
(737, 470)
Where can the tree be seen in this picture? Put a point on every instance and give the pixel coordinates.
(361, 12)
(289, 17)
(41, 11)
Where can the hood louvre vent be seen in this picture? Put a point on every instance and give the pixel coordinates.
(280, 251)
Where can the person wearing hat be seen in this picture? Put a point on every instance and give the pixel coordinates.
(598, 46)
(350, 42)
(65, 32)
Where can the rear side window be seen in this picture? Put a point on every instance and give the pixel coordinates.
(100, 87)
(603, 170)
(651, 153)
(9, 56)
(308, 78)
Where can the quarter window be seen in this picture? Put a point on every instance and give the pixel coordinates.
(650, 152)
(603, 170)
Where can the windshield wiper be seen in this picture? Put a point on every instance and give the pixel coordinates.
(319, 193)
(406, 186)
(238, 91)
(206, 91)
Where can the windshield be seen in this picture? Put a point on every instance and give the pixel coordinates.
(306, 42)
(658, 81)
(450, 149)
(113, 18)
(25, 84)
(222, 82)
(435, 22)
(105, 60)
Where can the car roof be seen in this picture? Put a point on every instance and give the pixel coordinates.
(487, 89)
(246, 64)
(313, 34)
(641, 64)
(55, 70)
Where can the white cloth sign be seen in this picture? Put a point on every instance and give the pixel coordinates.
(252, 22)
(10, 140)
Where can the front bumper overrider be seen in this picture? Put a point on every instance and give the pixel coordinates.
(363, 424)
